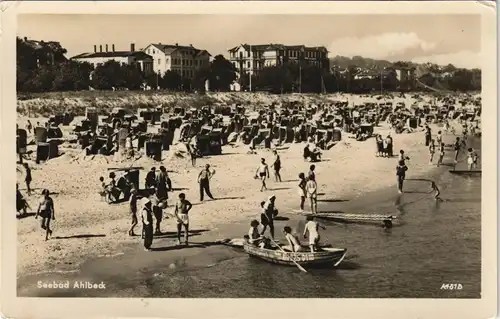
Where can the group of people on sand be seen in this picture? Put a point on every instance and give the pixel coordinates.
(181, 214)
(311, 231)
(262, 171)
(384, 146)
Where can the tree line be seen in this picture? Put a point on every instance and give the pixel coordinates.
(38, 71)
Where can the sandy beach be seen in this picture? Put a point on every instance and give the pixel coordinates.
(86, 226)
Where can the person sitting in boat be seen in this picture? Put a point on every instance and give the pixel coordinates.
(254, 237)
(293, 241)
(312, 227)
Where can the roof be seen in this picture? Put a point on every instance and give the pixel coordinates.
(169, 48)
(275, 46)
(139, 55)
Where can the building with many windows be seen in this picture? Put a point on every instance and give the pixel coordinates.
(252, 58)
(185, 60)
(132, 57)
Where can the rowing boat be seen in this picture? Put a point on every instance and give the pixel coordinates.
(353, 217)
(326, 255)
(465, 172)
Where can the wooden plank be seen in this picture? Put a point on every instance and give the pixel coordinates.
(125, 168)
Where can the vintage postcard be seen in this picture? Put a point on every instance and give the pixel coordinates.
(177, 159)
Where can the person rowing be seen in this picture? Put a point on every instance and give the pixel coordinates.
(312, 227)
(293, 242)
(254, 237)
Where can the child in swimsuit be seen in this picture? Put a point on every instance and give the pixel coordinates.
(312, 228)
(432, 150)
(441, 154)
(436, 191)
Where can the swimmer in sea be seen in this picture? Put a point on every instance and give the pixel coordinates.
(436, 191)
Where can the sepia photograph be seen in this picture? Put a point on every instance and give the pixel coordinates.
(249, 154)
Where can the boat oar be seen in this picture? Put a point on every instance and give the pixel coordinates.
(296, 264)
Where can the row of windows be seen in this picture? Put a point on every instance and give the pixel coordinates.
(176, 61)
(268, 63)
(153, 51)
(292, 54)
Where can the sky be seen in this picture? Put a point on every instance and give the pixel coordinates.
(440, 39)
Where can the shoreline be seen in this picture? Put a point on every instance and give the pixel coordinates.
(104, 237)
(158, 258)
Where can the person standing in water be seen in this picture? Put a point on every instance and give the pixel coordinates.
(427, 135)
(312, 193)
(312, 227)
(268, 214)
(401, 173)
(46, 210)
(181, 212)
(432, 151)
(204, 181)
(472, 158)
(147, 223)
(277, 166)
(262, 172)
(435, 188)
(441, 154)
(301, 189)
(457, 147)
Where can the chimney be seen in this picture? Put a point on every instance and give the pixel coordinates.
(132, 47)
(113, 47)
(106, 48)
(191, 45)
(25, 38)
(95, 48)
(100, 48)
(177, 44)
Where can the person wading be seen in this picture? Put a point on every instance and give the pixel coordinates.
(147, 223)
(262, 172)
(204, 181)
(182, 208)
(268, 215)
(312, 193)
(427, 135)
(46, 211)
(277, 166)
(401, 173)
(301, 189)
(457, 147)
